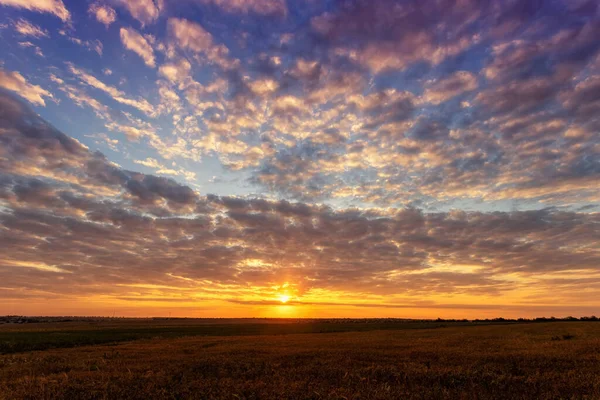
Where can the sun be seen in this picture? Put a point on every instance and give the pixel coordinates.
(284, 298)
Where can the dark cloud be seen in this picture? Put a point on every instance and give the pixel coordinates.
(32, 147)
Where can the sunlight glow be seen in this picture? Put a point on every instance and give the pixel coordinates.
(284, 298)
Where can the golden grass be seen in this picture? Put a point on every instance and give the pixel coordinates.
(480, 362)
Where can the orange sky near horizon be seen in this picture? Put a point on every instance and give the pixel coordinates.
(283, 303)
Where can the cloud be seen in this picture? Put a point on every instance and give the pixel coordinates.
(262, 7)
(55, 7)
(189, 35)
(37, 49)
(94, 82)
(170, 101)
(164, 170)
(15, 82)
(94, 45)
(176, 72)
(428, 130)
(26, 28)
(141, 104)
(152, 236)
(135, 42)
(145, 11)
(91, 45)
(66, 162)
(103, 13)
(81, 98)
(150, 163)
(382, 35)
(438, 91)
(170, 147)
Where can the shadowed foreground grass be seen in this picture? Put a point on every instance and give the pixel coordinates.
(529, 361)
(43, 336)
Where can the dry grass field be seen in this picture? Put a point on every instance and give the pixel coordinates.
(559, 360)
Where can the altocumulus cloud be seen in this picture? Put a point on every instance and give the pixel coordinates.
(69, 213)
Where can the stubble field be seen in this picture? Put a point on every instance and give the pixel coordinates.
(300, 360)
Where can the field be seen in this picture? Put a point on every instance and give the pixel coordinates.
(275, 359)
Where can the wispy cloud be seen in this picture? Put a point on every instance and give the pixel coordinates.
(15, 82)
(264, 7)
(145, 11)
(56, 7)
(192, 36)
(135, 42)
(115, 93)
(26, 28)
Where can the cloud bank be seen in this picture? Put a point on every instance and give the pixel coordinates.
(75, 223)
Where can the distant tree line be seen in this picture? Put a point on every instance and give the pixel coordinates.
(537, 319)
(18, 319)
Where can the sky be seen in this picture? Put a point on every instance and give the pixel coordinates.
(300, 158)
